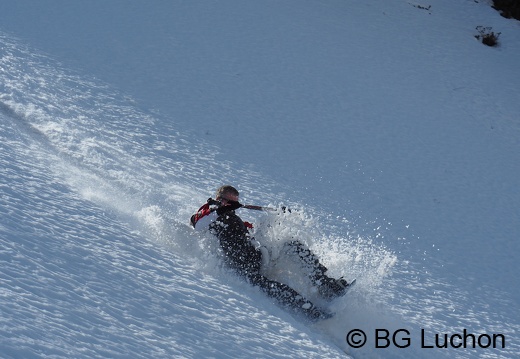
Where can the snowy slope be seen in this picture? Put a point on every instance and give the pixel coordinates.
(85, 269)
(389, 126)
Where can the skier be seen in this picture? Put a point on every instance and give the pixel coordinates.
(219, 217)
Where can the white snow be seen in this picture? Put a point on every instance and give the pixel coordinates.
(389, 128)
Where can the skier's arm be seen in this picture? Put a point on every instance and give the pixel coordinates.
(204, 217)
(202, 223)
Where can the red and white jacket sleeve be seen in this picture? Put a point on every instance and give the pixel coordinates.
(204, 217)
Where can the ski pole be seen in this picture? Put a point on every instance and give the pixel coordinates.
(212, 201)
(260, 208)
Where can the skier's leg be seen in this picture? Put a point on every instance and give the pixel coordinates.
(308, 261)
(286, 296)
(328, 287)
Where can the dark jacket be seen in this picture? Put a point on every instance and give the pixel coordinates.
(235, 241)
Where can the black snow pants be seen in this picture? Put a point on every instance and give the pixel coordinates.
(245, 259)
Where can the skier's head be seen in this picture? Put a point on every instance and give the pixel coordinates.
(227, 193)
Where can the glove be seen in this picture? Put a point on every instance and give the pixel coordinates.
(213, 202)
(230, 207)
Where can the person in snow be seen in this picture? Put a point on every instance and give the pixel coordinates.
(242, 255)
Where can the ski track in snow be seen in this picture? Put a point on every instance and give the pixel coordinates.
(96, 263)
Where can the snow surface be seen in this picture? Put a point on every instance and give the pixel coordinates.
(388, 126)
